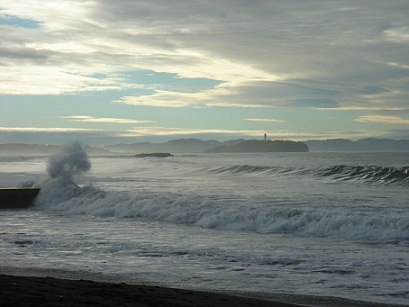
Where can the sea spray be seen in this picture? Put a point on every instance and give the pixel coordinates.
(59, 187)
(72, 160)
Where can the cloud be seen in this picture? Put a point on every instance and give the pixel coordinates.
(372, 90)
(383, 109)
(248, 94)
(342, 46)
(382, 119)
(398, 35)
(165, 99)
(50, 130)
(314, 103)
(264, 120)
(91, 119)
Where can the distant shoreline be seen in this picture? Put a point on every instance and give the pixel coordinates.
(202, 146)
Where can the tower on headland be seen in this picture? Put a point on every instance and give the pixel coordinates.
(265, 136)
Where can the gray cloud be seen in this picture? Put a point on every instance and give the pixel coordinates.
(20, 54)
(371, 90)
(314, 103)
(294, 93)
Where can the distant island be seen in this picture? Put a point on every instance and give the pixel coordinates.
(262, 146)
(154, 154)
(330, 145)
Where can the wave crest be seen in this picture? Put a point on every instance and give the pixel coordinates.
(375, 174)
(367, 173)
(374, 224)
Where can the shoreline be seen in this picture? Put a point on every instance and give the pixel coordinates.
(19, 290)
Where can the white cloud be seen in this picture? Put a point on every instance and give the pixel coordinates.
(51, 130)
(168, 131)
(216, 97)
(399, 35)
(36, 80)
(164, 99)
(385, 119)
(264, 120)
(91, 119)
(361, 108)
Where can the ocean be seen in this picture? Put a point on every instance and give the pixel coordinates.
(319, 224)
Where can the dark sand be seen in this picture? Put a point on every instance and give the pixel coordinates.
(40, 291)
(48, 291)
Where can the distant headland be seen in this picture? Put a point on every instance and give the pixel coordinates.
(154, 155)
(191, 145)
(262, 146)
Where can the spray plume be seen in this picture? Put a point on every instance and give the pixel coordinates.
(72, 160)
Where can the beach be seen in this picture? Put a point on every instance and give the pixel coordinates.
(49, 291)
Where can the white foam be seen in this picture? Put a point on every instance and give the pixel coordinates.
(386, 224)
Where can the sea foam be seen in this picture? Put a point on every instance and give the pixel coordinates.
(274, 218)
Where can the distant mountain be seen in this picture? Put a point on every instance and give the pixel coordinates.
(174, 146)
(334, 145)
(43, 150)
(28, 149)
(372, 144)
(369, 144)
(262, 146)
(198, 146)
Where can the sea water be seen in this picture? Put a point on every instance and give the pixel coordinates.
(326, 224)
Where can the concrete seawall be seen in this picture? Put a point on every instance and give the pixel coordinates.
(16, 198)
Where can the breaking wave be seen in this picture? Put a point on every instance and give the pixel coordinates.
(373, 224)
(59, 193)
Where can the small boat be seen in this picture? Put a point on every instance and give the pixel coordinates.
(17, 198)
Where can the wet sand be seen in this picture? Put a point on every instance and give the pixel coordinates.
(49, 291)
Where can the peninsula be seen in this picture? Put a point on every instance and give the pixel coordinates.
(262, 146)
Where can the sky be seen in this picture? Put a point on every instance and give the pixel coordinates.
(126, 71)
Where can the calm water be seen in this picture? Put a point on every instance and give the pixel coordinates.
(328, 224)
